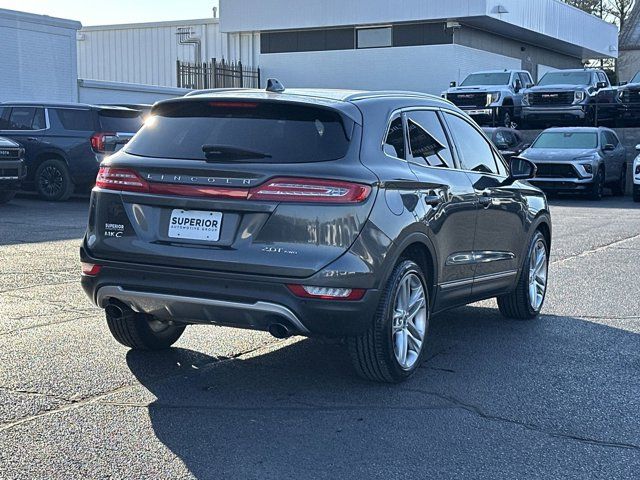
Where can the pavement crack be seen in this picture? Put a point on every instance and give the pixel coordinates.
(594, 250)
(476, 410)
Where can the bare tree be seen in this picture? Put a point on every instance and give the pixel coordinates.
(589, 6)
(618, 11)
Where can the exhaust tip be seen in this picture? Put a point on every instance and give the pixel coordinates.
(279, 330)
(114, 311)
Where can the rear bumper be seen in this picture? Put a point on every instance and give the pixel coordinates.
(215, 298)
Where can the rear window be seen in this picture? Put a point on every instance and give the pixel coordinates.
(74, 119)
(256, 132)
(120, 121)
(567, 140)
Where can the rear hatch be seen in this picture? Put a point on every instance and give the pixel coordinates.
(235, 185)
(116, 126)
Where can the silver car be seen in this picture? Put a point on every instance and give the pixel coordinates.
(579, 160)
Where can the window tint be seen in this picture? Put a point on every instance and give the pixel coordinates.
(373, 37)
(254, 132)
(120, 121)
(427, 140)
(602, 77)
(525, 79)
(475, 152)
(612, 139)
(4, 118)
(394, 143)
(505, 138)
(77, 120)
(486, 79)
(39, 122)
(21, 118)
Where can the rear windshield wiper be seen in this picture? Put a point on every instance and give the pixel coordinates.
(223, 152)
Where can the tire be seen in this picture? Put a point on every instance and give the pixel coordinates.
(53, 181)
(636, 193)
(6, 197)
(519, 303)
(620, 188)
(377, 354)
(505, 118)
(597, 188)
(143, 332)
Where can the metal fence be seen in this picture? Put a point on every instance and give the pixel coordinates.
(216, 74)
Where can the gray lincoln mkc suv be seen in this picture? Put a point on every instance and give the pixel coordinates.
(312, 212)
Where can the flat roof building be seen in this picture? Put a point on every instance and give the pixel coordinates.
(415, 44)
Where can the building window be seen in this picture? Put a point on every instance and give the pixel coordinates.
(374, 37)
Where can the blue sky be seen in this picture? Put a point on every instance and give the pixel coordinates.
(92, 12)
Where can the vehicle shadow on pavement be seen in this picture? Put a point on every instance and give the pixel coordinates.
(551, 386)
(577, 201)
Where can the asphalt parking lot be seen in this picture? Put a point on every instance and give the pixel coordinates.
(554, 398)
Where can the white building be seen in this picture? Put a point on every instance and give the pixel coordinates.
(413, 44)
(38, 57)
(146, 53)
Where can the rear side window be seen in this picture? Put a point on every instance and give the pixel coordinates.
(476, 154)
(76, 120)
(120, 121)
(429, 144)
(242, 131)
(4, 118)
(25, 118)
(611, 138)
(394, 143)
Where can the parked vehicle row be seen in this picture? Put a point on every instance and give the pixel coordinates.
(578, 97)
(64, 143)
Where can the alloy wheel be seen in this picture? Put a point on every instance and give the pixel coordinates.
(51, 181)
(409, 323)
(538, 267)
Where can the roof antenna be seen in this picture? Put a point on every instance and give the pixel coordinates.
(273, 85)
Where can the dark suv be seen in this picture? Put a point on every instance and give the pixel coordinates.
(315, 213)
(65, 143)
(571, 97)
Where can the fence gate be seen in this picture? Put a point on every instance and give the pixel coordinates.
(216, 74)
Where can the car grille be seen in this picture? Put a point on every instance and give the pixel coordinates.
(10, 173)
(631, 96)
(477, 100)
(551, 98)
(9, 153)
(556, 170)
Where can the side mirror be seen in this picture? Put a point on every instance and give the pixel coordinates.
(518, 85)
(608, 148)
(453, 84)
(600, 85)
(638, 148)
(521, 169)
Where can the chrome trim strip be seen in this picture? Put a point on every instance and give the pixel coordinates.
(121, 294)
(469, 258)
(482, 278)
(456, 283)
(496, 276)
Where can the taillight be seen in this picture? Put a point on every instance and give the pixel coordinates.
(310, 190)
(98, 141)
(90, 269)
(327, 293)
(121, 179)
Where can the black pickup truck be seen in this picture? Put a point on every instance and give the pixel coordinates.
(12, 169)
(629, 102)
(570, 97)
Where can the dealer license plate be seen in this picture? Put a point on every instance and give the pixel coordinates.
(195, 225)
